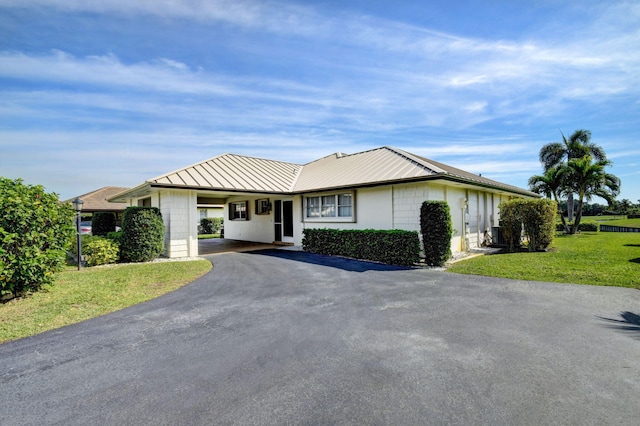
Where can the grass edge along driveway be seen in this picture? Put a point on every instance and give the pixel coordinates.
(76, 296)
(594, 258)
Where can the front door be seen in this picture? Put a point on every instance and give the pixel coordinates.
(283, 220)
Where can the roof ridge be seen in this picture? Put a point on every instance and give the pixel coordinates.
(423, 162)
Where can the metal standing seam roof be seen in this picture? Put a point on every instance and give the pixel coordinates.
(382, 165)
(232, 172)
(377, 165)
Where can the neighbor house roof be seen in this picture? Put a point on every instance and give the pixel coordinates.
(96, 201)
(238, 173)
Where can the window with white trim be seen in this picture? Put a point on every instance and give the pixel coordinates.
(238, 210)
(332, 206)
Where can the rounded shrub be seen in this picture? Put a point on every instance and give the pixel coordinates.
(142, 234)
(101, 251)
(102, 223)
(437, 230)
(35, 231)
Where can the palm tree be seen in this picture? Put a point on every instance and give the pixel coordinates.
(551, 185)
(587, 178)
(576, 146)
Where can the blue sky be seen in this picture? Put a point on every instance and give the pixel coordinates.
(114, 92)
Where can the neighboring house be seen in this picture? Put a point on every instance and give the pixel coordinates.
(96, 201)
(274, 201)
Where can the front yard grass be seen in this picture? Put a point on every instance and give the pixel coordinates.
(595, 258)
(79, 295)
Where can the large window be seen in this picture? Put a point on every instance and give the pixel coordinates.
(333, 206)
(238, 210)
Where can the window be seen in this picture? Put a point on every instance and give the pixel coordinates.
(145, 202)
(238, 211)
(336, 206)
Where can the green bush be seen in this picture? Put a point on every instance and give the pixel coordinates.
(142, 234)
(511, 225)
(437, 230)
(102, 223)
(394, 247)
(101, 251)
(115, 236)
(210, 225)
(84, 240)
(35, 231)
(539, 218)
(535, 216)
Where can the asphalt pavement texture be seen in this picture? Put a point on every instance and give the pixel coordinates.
(276, 337)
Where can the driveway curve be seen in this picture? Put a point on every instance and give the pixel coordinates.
(277, 337)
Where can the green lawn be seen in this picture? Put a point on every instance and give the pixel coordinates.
(595, 258)
(79, 295)
(208, 236)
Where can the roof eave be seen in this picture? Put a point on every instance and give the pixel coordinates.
(436, 176)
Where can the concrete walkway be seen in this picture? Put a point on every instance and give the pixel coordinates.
(284, 337)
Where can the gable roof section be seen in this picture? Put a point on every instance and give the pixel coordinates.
(233, 172)
(385, 165)
(374, 166)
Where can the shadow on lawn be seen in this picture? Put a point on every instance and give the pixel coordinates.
(343, 263)
(630, 323)
(637, 259)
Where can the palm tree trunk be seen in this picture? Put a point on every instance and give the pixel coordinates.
(576, 223)
(570, 206)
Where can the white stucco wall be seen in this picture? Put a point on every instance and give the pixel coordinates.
(386, 207)
(258, 228)
(408, 198)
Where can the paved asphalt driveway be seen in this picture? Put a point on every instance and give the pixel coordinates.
(277, 337)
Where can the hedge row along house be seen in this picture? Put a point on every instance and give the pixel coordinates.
(273, 201)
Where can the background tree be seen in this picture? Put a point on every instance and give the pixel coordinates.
(560, 153)
(35, 231)
(587, 178)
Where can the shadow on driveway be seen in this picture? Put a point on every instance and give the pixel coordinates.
(343, 263)
(630, 323)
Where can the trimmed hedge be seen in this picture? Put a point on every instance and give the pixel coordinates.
(102, 223)
(437, 230)
(536, 217)
(142, 234)
(210, 225)
(393, 247)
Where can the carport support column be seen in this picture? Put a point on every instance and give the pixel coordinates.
(180, 214)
